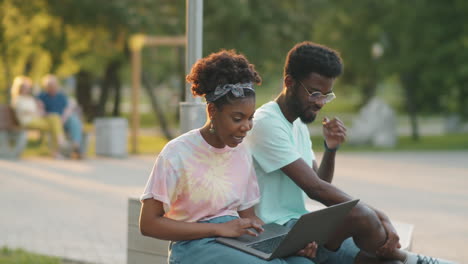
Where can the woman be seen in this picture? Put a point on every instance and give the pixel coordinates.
(203, 183)
(30, 114)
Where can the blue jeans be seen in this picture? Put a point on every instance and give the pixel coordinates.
(74, 129)
(207, 250)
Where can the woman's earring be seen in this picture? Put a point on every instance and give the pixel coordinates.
(212, 130)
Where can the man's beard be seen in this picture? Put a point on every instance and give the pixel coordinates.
(307, 119)
(297, 108)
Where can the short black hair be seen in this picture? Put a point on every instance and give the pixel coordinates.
(308, 57)
(223, 67)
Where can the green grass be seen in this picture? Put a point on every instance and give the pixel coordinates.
(154, 144)
(36, 148)
(146, 145)
(148, 120)
(445, 142)
(19, 256)
(449, 142)
(149, 144)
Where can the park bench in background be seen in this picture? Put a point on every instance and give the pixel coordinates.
(13, 139)
(146, 250)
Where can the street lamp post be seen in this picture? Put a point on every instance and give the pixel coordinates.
(192, 111)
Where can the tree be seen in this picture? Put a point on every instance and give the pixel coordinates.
(423, 42)
(22, 29)
(426, 43)
(262, 30)
(51, 36)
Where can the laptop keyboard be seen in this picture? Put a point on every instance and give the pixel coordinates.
(268, 245)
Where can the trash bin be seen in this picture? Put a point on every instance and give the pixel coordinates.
(111, 136)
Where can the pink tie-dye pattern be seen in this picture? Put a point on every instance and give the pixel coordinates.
(197, 182)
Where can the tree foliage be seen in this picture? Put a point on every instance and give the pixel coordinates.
(424, 41)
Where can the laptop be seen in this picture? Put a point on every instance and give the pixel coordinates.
(278, 241)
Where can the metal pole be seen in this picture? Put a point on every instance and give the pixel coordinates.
(192, 111)
(194, 35)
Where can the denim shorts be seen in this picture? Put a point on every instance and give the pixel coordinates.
(344, 255)
(207, 250)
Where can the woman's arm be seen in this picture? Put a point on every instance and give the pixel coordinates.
(154, 224)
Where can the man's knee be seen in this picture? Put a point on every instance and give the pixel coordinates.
(368, 232)
(365, 219)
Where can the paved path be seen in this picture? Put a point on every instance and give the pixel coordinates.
(69, 208)
(429, 190)
(78, 210)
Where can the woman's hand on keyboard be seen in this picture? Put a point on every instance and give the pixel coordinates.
(239, 227)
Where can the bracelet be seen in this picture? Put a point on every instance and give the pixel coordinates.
(329, 149)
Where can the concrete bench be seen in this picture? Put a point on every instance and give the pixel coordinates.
(142, 249)
(146, 250)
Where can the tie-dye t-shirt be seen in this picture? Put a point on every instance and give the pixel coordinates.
(197, 182)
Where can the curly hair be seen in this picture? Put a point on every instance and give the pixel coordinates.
(307, 57)
(223, 67)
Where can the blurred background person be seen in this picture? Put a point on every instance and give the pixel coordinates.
(55, 101)
(30, 114)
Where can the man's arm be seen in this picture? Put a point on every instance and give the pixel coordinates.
(327, 166)
(316, 188)
(334, 133)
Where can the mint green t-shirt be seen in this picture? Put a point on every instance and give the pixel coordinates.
(275, 143)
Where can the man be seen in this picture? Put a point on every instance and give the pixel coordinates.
(57, 102)
(286, 166)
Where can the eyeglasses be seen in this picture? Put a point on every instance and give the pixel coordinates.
(318, 96)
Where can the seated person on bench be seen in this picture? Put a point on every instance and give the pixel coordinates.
(203, 183)
(30, 114)
(286, 166)
(57, 102)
